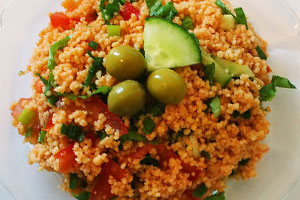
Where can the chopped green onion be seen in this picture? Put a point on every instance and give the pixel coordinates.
(73, 132)
(148, 160)
(101, 134)
(109, 11)
(82, 196)
(114, 30)
(187, 23)
(215, 106)
(209, 73)
(218, 196)
(241, 17)
(156, 109)
(74, 180)
(261, 53)
(28, 132)
(200, 191)
(94, 45)
(156, 8)
(95, 67)
(245, 115)
(205, 154)
(149, 125)
(244, 162)
(26, 116)
(175, 136)
(225, 10)
(52, 99)
(132, 135)
(41, 138)
(282, 82)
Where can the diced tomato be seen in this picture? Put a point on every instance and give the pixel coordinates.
(39, 86)
(102, 189)
(269, 69)
(96, 106)
(66, 157)
(49, 123)
(165, 155)
(16, 111)
(128, 10)
(59, 19)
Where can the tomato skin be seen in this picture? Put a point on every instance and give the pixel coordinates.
(102, 189)
(128, 10)
(59, 19)
(17, 110)
(66, 157)
(49, 123)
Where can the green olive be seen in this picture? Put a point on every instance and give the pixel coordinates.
(126, 98)
(166, 86)
(125, 62)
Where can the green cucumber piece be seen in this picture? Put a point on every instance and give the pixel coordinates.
(234, 69)
(227, 22)
(168, 45)
(220, 75)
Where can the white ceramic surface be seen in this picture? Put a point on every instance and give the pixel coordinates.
(277, 172)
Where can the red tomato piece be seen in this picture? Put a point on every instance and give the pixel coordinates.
(59, 19)
(102, 189)
(49, 123)
(96, 106)
(16, 111)
(140, 153)
(269, 69)
(128, 10)
(66, 157)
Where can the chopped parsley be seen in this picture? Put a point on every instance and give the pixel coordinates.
(187, 23)
(101, 134)
(110, 10)
(148, 160)
(215, 106)
(82, 196)
(100, 90)
(132, 135)
(267, 93)
(200, 191)
(261, 53)
(218, 196)
(245, 115)
(175, 136)
(41, 138)
(205, 154)
(73, 132)
(156, 8)
(209, 73)
(73, 182)
(156, 109)
(149, 125)
(94, 45)
(52, 98)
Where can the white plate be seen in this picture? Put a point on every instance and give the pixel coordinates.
(278, 170)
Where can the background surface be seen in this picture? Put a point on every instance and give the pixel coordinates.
(294, 193)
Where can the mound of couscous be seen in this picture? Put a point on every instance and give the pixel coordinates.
(116, 131)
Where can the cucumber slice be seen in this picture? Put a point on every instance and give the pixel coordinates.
(234, 69)
(168, 45)
(227, 22)
(220, 75)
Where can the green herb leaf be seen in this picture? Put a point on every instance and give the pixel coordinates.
(261, 53)
(187, 23)
(219, 196)
(94, 45)
(267, 93)
(241, 17)
(110, 10)
(52, 99)
(83, 196)
(28, 132)
(73, 132)
(156, 109)
(245, 115)
(149, 125)
(244, 162)
(225, 10)
(94, 68)
(100, 90)
(132, 135)
(282, 82)
(101, 134)
(205, 154)
(74, 180)
(156, 8)
(215, 106)
(148, 160)
(114, 30)
(200, 191)
(175, 136)
(209, 73)
(41, 138)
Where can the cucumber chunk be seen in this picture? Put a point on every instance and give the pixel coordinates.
(227, 22)
(168, 45)
(234, 69)
(220, 75)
